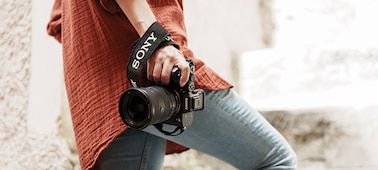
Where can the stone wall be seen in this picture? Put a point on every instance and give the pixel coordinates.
(22, 147)
(14, 80)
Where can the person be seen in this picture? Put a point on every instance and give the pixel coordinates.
(96, 37)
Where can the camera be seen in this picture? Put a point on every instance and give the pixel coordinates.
(140, 107)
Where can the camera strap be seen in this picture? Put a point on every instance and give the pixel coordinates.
(159, 126)
(142, 49)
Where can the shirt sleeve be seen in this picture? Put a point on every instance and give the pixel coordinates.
(54, 26)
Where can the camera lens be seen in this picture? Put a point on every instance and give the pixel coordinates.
(137, 109)
(144, 106)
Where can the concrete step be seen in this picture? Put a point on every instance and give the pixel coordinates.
(324, 101)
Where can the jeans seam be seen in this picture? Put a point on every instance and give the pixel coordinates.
(145, 152)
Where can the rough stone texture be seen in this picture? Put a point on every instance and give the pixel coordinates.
(322, 99)
(330, 138)
(20, 149)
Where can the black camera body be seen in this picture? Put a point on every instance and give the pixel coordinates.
(140, 107)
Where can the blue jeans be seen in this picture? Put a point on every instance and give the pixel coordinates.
(228, 128)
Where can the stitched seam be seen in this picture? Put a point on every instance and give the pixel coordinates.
(146, 151)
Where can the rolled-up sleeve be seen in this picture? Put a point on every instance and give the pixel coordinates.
(54, 26)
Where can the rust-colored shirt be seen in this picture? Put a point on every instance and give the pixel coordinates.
(96, 38)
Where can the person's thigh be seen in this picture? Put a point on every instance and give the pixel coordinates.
(229, 129)
(134, 149)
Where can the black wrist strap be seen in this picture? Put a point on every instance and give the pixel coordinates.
(154, 38)
(159, 127)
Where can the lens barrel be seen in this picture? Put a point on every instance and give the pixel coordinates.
(144, 106)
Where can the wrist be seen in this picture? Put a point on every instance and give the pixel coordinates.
(139, 14)
(142, 26)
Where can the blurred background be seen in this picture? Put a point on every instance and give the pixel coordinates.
(309, 66)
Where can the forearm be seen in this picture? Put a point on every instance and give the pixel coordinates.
(139, 14)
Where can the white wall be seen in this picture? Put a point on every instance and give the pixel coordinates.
(220, 30)
(346, 23)
(46, 73)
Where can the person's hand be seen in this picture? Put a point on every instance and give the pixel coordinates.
(160, 64)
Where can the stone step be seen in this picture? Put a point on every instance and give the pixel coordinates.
(323, 100)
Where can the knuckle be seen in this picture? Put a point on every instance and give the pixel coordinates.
(165, 75)
(185, 68)
(155, 76)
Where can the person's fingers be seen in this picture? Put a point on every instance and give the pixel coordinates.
(166, 73)
(185, 71)
(150, 69)
(159, 66)
(156, 74)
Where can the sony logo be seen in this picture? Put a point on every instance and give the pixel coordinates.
(133, 83)
(141, 53)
